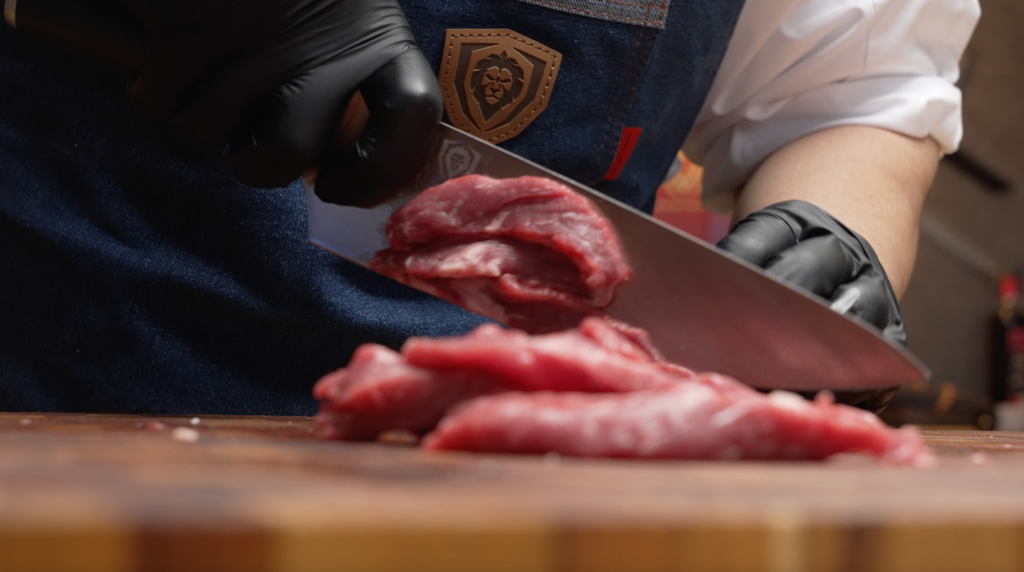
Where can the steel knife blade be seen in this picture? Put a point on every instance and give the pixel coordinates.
(704, 309)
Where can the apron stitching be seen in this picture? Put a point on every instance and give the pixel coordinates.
(606, 15)
(661, 10)
(602, 148)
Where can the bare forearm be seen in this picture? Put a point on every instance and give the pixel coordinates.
(873, 180)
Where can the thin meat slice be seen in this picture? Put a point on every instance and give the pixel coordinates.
(560, 361)
(378, 391)
(528, 251)
(595, 391)
(630, 341)
(621, 338)
(381, 390)
(518, 284)
(458, 258)
(692, 421)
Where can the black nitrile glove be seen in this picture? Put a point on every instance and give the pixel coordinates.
(805, 246)
(272, 78)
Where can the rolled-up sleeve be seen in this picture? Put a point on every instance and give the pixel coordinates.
(795, 67)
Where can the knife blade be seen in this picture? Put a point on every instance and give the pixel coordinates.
(703, 308)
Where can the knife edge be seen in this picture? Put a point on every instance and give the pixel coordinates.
(704, 308)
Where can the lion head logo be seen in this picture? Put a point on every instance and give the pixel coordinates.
(496, 82)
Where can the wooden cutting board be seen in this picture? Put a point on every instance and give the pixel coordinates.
(123, 493)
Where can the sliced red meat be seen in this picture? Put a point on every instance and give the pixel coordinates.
(693, 421)
(529, 251)
(621, 338)
(379, 391)
(588, 392)
(560, 361)
(517, 299)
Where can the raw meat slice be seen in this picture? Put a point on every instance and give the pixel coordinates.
(593, 391)
(621, 338)
(382, 390)
(693, 421)
(379, 391)
(630, 341)
(560, 361)
(508, 298)
(527, 251)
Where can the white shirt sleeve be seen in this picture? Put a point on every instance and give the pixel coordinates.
(798, 66)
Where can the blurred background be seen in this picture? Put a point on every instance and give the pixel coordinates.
(972, 244)
(973, 229)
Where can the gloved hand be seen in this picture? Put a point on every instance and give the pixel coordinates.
(272, 78)
(805, 246)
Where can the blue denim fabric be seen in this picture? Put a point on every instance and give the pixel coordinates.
(613, 75)
(137, 276)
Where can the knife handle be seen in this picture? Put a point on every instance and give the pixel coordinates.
(103, 28)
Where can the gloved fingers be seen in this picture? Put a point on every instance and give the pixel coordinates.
(232, 98)
(866, 298)
(804, 245)
(818, 265)
(404, 102)
(174, 62)
(199, 48)
(272, 80)
(103, 28)
(759, 238)
(353, 121)
(289, 131)
(266, 95)
(156, 91)
(293, 129)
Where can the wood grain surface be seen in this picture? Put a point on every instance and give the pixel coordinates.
(123, 493)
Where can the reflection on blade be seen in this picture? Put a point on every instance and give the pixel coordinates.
(703, 308)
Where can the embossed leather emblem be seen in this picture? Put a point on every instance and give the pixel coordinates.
(495, 82)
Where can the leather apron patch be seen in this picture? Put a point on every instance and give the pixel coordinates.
(495, 81)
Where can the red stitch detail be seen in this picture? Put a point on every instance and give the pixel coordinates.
(615, 99)
(630, 135)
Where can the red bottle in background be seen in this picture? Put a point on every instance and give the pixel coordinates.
(1006, 384)
(678, 203)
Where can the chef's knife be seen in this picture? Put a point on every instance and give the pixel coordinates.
(704, 309)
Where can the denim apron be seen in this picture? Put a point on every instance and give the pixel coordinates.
(137, 276)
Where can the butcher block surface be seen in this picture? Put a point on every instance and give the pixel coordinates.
(125, 493)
